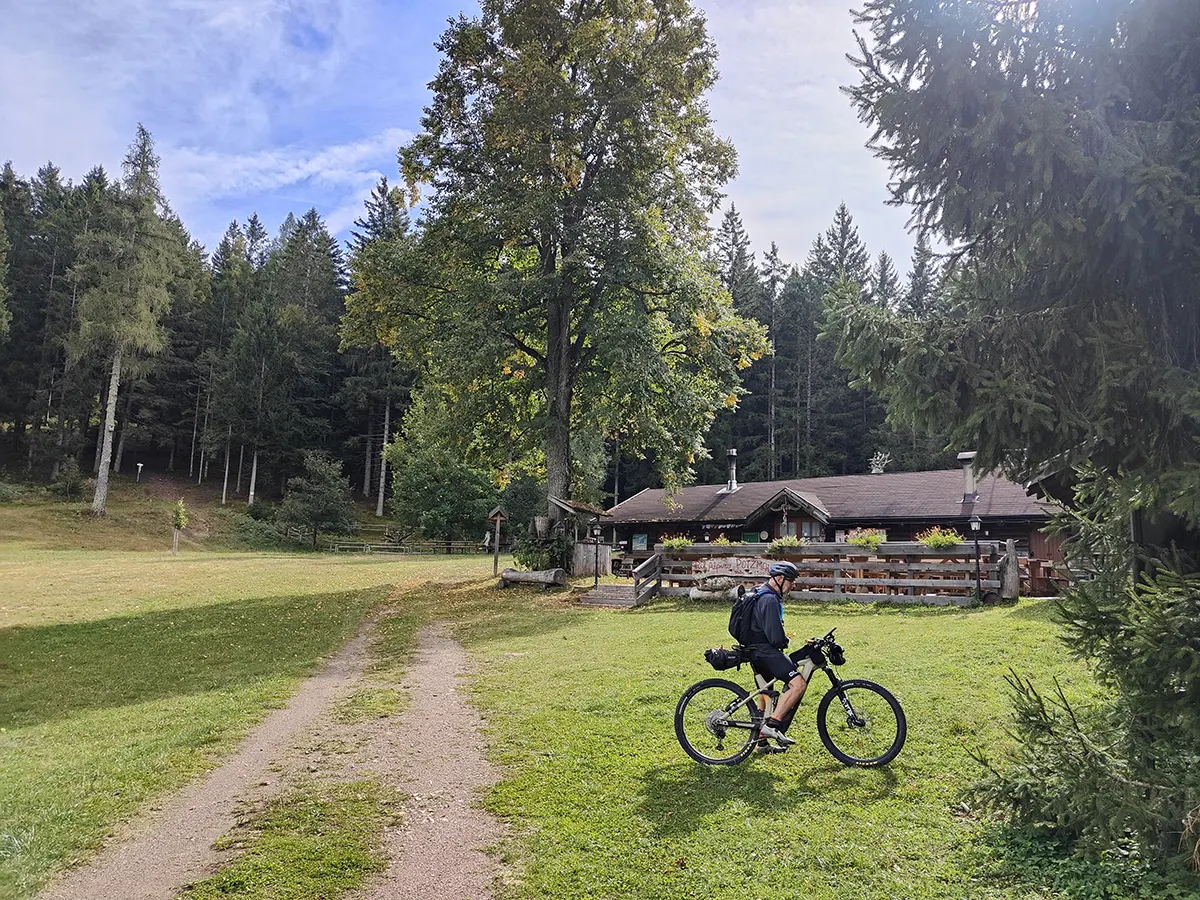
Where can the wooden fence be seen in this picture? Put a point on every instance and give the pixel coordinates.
(894, 573)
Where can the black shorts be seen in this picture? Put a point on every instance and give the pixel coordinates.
(770, 662)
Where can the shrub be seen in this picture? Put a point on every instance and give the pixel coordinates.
(10, 492)
(71, 483)
(939, 538)
(261, 512)
(782, 545)
(871, 538)
(676, 543)
(552, 553)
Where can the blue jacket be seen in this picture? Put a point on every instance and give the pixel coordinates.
(766, 624)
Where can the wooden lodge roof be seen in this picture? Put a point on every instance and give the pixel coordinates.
(891, 496)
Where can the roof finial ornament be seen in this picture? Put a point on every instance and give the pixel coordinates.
(879, 462)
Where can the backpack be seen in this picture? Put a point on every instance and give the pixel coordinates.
(742, 614)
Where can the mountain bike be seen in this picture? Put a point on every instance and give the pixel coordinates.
(717, 721)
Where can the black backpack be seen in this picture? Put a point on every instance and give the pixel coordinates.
(742, 614)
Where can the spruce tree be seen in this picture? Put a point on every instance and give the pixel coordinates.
(126, 264)
(5, 315)
(1053, 145)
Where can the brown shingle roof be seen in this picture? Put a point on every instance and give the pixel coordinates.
(898, 495)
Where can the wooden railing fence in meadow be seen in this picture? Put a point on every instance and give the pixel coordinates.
(898, 572)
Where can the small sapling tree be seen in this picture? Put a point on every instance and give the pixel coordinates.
(179, 520)
(319, 499)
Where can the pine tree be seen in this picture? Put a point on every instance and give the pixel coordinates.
(5, 315)
(885, 283)
(126, 264)
(924, 280)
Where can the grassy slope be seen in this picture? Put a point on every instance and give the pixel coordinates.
(607, 804)
(124, 674)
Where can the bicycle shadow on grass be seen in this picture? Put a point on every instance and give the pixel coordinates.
(683, 797)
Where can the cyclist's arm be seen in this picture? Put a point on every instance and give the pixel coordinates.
(772, 622)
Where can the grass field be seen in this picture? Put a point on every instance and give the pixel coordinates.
(124, 674)
(606, 804)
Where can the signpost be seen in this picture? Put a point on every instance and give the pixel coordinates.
(497, 516)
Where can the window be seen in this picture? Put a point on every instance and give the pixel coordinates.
(639, 542)
(813, 531)
(788, 530)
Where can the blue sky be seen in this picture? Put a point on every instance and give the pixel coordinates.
(278, 105)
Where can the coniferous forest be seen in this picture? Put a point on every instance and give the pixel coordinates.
(126, 341)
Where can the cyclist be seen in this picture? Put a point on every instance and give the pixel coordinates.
(766, 646)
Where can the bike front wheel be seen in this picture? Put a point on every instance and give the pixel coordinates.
(866, 727)
(716, 722)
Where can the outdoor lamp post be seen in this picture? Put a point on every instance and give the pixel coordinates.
(975, 523)
(596, 537)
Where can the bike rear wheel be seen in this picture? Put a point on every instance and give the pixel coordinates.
(866, 726)
(716, 722)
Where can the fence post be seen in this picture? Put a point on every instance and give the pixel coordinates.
(1010, 577)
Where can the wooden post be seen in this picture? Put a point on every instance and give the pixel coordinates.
(496, 548)
(1010, 578)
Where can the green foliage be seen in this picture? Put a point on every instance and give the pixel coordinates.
(558, 282)
(438, 493)
(871, 538)
(262, 512)
(676, 543)
(781, 545)
(551, 553)
(939, 538)
(5, 314)
(10, 492)
(722, 541)
(319, 499)
(1066, 200)
(1125, 773)
(71, 483)
(179, 515)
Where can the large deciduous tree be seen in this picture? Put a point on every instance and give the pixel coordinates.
(1054, 146)
(558, 284)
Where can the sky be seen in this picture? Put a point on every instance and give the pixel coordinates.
(272, 106)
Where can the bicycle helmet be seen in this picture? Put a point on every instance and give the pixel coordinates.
(783, 570)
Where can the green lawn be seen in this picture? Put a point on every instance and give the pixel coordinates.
(606, 804)
(125, 674)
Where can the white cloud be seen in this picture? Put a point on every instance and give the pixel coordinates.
(193, 174)
(800, 145)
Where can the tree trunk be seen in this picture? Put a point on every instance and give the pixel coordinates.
(104, 387)
(253, 478)
(106, 430)
(195, 431)
(387, 426)
(370, 451)
(557, 442)
(228, 451)
(124, 429)
(617, 471)
(771, 422)
(237, 491)
(204, 431)
(171, 459)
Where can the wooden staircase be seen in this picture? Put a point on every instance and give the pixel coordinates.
(613, 596)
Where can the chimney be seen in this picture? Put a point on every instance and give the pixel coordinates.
(732, 484)
(967, 461)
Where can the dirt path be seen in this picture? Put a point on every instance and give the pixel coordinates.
(172, 847)
(435, 754)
